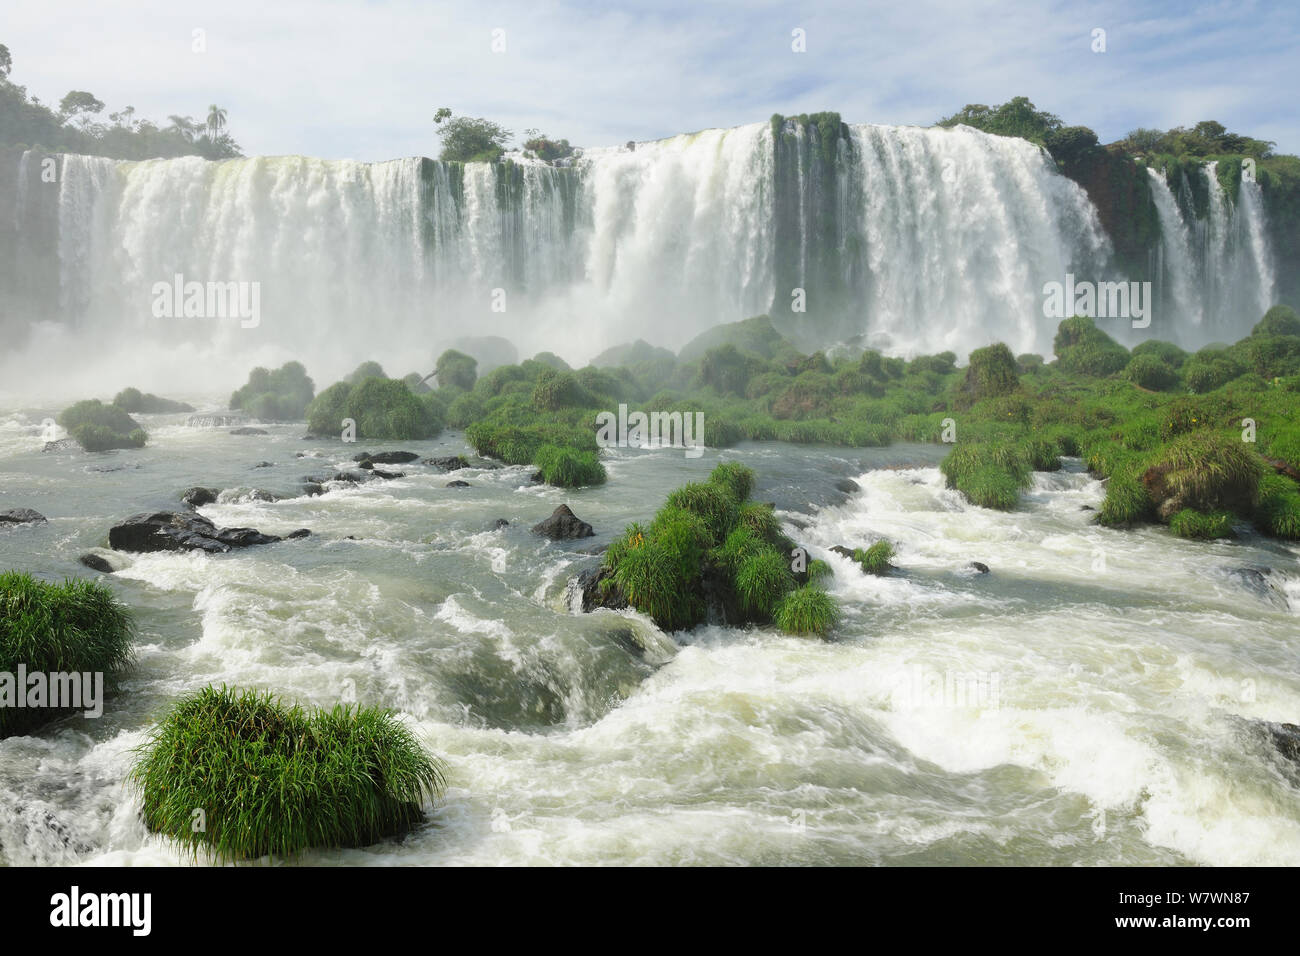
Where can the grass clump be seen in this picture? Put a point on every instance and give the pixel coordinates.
(989, 474)
(1203, 470)
(100, 427)
(807, 610)
(1200, 526)
(875, 559)
(74, 627)
(1278, 510)
(132, 400)
(710, 554)
(567, 468)
(278, 780)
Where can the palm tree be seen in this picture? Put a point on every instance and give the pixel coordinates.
(185, 126)
(216, 120)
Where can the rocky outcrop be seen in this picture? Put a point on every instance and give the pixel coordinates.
(20, 516)
(173, 531)
(96, 563)
(563, 525)
(457, 484)
(198, 497)
(385, 457)
(447, 463)
(246, 430)
(600, 590)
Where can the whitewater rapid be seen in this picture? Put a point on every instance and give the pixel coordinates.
(1088, 701)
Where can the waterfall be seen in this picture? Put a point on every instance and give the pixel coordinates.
(1217, 275)
(911, 239)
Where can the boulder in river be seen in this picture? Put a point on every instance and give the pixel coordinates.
(312, 489)
(447, 462)
(563, 525)
(499, 524)
(21, 516)
(979, 566)
(63, 444)
(457, 484)
(847, 485)
(173, 531)
(386, 457)
(96, 563)
(599, 590)
(247, 430)
(198, 497)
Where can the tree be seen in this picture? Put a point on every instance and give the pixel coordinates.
(79, 103)
(443, 114)
(467, 139)
(216, 121)
(6, 62)
(184, 127)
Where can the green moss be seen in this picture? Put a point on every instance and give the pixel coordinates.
(278, 780)
(73, 627)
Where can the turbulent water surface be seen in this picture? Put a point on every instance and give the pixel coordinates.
(1087, 701)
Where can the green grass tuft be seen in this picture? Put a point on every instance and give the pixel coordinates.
(807, 610)
(875, 559)
(277, 780)
(77, 626)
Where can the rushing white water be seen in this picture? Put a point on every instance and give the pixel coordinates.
(1087, 702)
(914, 239)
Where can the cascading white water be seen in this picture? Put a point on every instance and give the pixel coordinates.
(1218, 270)
(962, 230)
(1180, 282)
(934, 239)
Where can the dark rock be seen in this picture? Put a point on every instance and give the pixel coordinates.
(380, 473)
(366, 465)
(312, 488)
(300, 533)
(257, 494)
(980, 566)
(198, 497)
(499, 524)
(349, 477)
(846, 552)
(246, 430)
(447, 463)
(847, 485)
(63, 444)
(535, 478)
(563, 525)
(96, 563)
(387, 457)
(172, 531)
(457, 484)
(21, 516)
(1087, 508)
(599, 589)
(1286, 738)
(265, 464)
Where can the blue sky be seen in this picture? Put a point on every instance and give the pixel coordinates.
(362, 79)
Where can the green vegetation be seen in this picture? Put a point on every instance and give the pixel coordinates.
(74, 627)
(132, 401)
(1190, 523)
(277, 780)
(467, 139)
(276, 396)
(712, 553)
(384, 409)
(456, 369)
(100, 427)
(875, 559)
(74, 128)
(567, 468)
